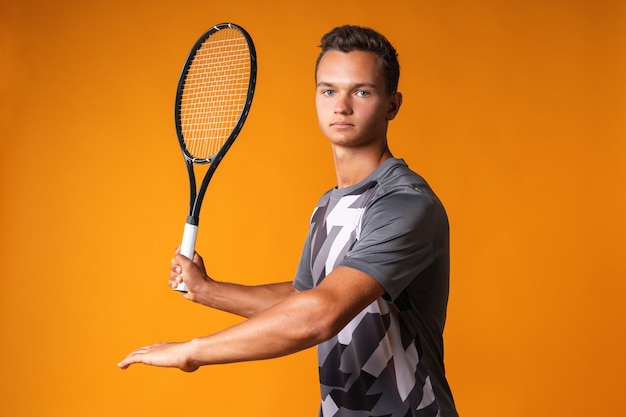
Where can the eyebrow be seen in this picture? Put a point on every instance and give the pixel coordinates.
(357, 85)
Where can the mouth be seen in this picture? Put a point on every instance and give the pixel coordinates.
(341, 124)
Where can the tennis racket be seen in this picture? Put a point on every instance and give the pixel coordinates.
(213, 99)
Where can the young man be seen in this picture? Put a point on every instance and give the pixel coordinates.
(371, 288)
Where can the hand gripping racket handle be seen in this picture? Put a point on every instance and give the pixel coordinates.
(187, 247)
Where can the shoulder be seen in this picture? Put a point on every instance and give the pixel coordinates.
(398, 185)
(396, 173)
(403, 197)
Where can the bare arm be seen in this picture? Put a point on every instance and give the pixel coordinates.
(241, 300)
(301, 320)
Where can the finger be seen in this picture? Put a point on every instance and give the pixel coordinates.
(175, 268)
(180, 259)
(175, 274)
(177, 278)
(197, 259)
(138, 356)
(184, 263)
(173, 283)
(128, 361)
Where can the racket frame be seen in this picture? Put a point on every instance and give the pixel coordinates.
(196, 194)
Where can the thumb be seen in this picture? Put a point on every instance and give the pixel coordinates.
(197, 259)
(183, 261)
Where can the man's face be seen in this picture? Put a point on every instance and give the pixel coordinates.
(353, 106)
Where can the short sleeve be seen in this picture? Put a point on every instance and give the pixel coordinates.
(304, 280)
(396, 239)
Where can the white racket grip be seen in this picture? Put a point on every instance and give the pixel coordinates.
(187, 247)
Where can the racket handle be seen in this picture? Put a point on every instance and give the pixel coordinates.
(187, 247)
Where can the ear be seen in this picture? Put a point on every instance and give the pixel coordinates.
(395, 101)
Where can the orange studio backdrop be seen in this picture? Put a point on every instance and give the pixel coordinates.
(514, 112)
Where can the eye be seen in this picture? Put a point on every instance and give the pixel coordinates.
(363, 93)
(328, 93)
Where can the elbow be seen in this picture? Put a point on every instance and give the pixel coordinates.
(320, 321)
(319, 331)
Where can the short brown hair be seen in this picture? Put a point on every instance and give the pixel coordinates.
(356, 38)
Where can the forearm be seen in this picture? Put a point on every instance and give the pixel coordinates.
(292, 325)
(242, 300)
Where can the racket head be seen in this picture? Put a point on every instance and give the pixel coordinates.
(214, 94)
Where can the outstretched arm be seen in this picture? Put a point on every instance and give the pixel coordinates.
(301, 320)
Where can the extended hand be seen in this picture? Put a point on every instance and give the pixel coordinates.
(169, 355)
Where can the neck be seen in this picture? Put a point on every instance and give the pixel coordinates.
(353, 167)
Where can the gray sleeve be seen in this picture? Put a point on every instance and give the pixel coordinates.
(303, 279)
(396, 239)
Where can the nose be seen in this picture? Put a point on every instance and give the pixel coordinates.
(342, 104)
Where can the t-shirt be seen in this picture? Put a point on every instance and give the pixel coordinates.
(388, 361)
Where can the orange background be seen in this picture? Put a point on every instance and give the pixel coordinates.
(514, 112)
